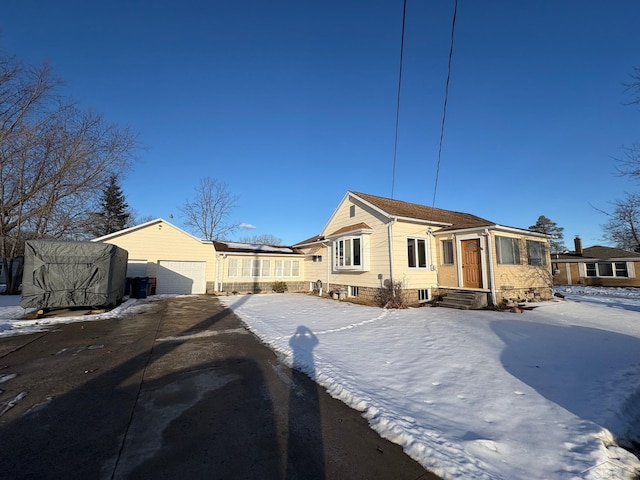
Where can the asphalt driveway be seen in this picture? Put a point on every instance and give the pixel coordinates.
(180, 390)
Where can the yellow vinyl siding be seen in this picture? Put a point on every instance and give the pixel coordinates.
(162, 241)
(314, 271)
(413, 277)
(378, 246)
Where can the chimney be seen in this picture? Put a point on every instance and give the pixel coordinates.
(578, 243)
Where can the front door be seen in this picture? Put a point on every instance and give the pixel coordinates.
(471, 265)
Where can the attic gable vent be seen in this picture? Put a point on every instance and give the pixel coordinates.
(352, 211)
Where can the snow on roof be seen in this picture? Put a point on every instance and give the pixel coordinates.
(252, 248)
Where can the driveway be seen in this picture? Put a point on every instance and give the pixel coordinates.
(180, 390)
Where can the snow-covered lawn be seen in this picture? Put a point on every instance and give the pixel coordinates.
(477, 394)
(469, 394)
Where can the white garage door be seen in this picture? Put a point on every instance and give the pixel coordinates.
(181, 277)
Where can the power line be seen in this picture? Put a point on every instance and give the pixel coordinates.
(395, 143)
(446, 98)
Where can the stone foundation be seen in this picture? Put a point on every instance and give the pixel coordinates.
(260, 287)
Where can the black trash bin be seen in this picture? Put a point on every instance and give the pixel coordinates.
(139, 285)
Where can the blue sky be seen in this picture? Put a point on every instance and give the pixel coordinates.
(293, 103)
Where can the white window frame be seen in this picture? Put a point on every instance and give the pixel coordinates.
(531, 260)
(444, 252)
(247, 268)
(612, 264)
(286, 268)
(232, 268)
(515, 246)
(344, 253)
(417, 241)
(424, 295)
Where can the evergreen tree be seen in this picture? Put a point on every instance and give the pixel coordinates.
(114, 213)
(556, 235)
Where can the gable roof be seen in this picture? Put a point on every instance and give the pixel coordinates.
(598, 252)
(148, 224)
(351, 228)
(254, 248)
(450, 219)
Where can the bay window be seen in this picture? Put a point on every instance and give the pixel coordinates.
(348, 253)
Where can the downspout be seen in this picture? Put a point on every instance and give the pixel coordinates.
(491, 275)
(329, 260)
(390, 234)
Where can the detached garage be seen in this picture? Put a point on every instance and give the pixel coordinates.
(180, 262)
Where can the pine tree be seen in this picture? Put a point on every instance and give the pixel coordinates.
(114, 213)
(556, 235)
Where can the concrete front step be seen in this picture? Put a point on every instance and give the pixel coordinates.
(465, 300)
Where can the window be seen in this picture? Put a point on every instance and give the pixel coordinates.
(447, 252)
(285, 268)
(508, 250)
(417, 252)
(607, 269)
(621, 269)
(353, 291)
(255, 271)
(423, 294)
(246, 268)
(348, 253)
(316, 258)
(233, 267)
(266, 268)
(536, 253)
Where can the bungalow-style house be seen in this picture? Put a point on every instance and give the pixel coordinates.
(370, 241)
(597, 266)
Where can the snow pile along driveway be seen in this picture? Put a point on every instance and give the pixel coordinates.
(475, 394)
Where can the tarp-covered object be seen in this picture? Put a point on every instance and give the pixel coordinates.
(59, 274)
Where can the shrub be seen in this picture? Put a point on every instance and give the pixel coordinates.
(391, 295)
(279, 287)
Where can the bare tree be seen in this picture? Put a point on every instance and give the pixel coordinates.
(623, 227)
(53, 161)
(208, 212)
(629, 164)
(262, 239)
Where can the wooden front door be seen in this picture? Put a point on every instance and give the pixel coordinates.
(471, 264)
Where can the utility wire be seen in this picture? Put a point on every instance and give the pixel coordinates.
(395, 143)
(446, 98)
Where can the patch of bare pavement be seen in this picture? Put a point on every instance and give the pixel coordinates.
(180, 390)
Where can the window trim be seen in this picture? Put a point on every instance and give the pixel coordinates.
(611, 263)
(445, 251)
(341, 255)
(515, 244)
(543, 253)
(420, 256)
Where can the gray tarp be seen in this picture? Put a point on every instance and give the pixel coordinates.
(60, 274)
